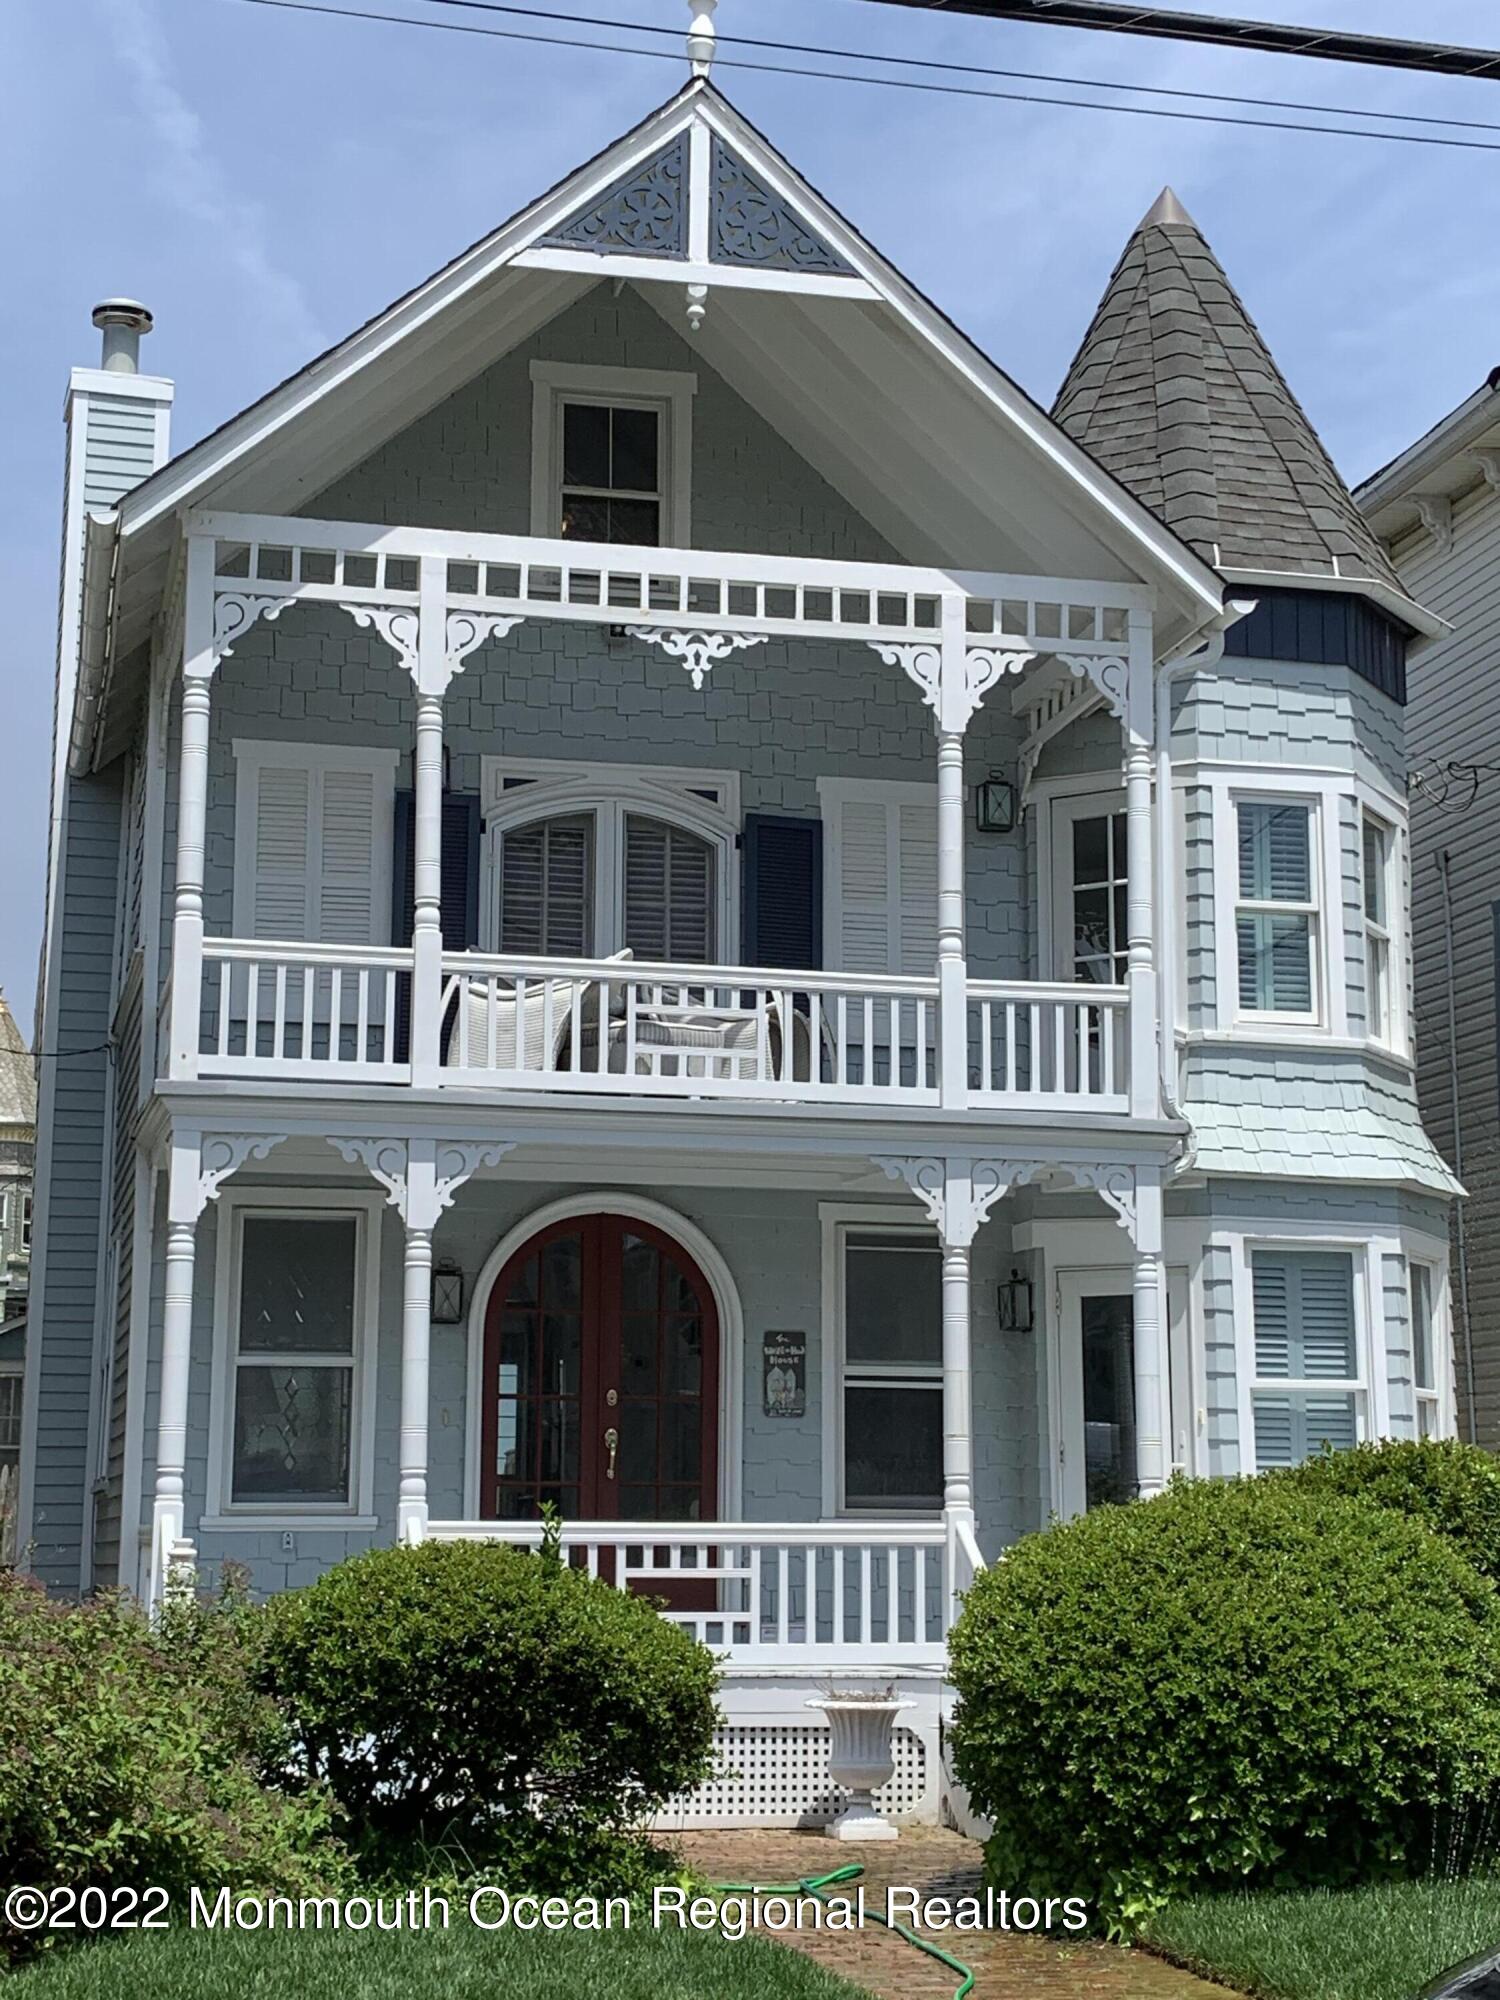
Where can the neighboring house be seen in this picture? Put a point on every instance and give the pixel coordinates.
(609, 826)
(17, 1157)
(1436, 509)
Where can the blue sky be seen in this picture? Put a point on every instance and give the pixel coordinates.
(265, 181)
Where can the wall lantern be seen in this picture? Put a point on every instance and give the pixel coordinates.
(1017, 1312)
(447, 1293)
(995, 805)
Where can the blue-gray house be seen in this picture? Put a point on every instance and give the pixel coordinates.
(703, 914)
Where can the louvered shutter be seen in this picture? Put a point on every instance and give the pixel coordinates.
(344, 880)
(547, 887)
(887, 885)
(669, 892)
(782, 892)
(1304, 1331)
(1275, 866)
(1275, 855)
(460, 861)
(280, 901)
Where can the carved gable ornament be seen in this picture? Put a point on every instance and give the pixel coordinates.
(751, 225)
(644, 213)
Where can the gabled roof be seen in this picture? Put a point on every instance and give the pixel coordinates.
(837, 354)
(1175, 391)
(17, 1074)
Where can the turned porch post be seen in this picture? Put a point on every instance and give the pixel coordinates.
(192, 808)
(952, 966)
(1140, 975)
(427, 824)
(1150, 1336)
(168, 1518)
(416, 1354)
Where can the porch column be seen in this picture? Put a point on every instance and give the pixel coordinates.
(1150, 1383)
(427, 827)
(1140, 976)
(958, 1423)
(192, 809)
(952, 965)
(416, 1346)
(168, 1520)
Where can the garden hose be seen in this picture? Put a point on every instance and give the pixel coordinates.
(814, 1885)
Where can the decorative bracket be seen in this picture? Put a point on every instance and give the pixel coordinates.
(221, 1154)
(983, 666)
(235, 611)
(398, 624)
(466, 631)
(1117, 1186)
(697, 651)
(1110, 674)
(921, 660)
(1487, 456)
(1436, 512)
(421, 1176)
(960, 1190)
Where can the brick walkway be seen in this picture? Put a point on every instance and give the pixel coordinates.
(939, 1863)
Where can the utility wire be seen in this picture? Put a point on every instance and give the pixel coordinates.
(884, 82)
(972, 69)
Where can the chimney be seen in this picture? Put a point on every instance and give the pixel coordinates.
(122, 322)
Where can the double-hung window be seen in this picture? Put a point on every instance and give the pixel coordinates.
(298, 1313)
(1426, 1346)
(1377, 849)
(1276, 908)
(892, 1415)
(611, 454)
(1306, 1390)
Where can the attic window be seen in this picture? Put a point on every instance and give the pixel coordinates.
(611, 454)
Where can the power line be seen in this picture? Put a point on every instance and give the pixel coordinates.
(970, 69)
(883, 82)
(1327, 44)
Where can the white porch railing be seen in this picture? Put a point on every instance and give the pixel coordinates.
(823, 1594)
(627, 1028)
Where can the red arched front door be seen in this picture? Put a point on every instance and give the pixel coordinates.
(601, 1378)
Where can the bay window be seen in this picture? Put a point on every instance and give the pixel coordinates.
(1306, 1390)
(1376, 852)
(1426, 1350)
(1276, 908)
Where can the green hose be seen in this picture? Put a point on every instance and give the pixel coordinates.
(814, 1885)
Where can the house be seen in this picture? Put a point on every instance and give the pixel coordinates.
(17, 1154)
(1436, 509)
(612, 825)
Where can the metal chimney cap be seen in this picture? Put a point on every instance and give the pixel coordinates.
(123, 312)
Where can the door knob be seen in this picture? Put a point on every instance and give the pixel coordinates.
(612, 1443)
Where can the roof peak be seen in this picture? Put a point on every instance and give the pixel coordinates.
(1166, 212)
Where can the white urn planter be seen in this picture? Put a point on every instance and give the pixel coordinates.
(860, 1759)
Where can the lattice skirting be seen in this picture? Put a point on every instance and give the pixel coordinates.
(776, 1774)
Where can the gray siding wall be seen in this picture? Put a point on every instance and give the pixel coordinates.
(1453, 716)
(71, 1154)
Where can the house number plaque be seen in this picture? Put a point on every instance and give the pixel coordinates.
(785, 1372)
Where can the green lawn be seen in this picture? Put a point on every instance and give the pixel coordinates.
(1383, 1943)
(459, 1964)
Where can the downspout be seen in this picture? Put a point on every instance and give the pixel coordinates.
(1460, 1233)
(1202, 656)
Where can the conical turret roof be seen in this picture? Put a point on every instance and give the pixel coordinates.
(1175, 392)
(17, 1073)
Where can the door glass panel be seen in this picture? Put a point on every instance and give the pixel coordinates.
(1098, 899)
(538, 1380)
(1108, 1335)
(682, 1355)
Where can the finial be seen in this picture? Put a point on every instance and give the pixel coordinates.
(700, 41)
(1166, 212)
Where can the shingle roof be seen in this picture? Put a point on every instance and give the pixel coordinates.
(17, 1073)
(1175, 392)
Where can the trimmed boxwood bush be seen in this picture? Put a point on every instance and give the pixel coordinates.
(1453, 1487)
(492, 1702)
(1237, 1683)
(132, 1756)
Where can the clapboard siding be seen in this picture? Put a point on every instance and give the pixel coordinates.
(1453, 716)
(118, 1273)
(70, 1161)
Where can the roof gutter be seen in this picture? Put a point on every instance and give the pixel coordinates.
(1433, 449)
(1395, 602)
(101, 544)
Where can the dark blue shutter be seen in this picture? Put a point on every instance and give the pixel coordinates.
(460, 851)
(782, 892)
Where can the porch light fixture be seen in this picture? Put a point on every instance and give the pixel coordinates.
(447, 1293)
(1016, 1308)
(995, 805)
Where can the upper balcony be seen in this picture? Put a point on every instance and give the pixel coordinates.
(913, 1026)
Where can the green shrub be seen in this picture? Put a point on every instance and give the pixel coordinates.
(1235, 1684)
(458, 1693)
(1453, 1487)
(133, 1756)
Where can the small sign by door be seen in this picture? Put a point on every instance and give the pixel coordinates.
(785, 1365)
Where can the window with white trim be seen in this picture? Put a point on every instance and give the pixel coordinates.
(611, 454)
(891, 1410)
(1377, 855)
(313, 837)
(298, 1314)
(1276, 912)
(1427, 1349)
(1307, 1390)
